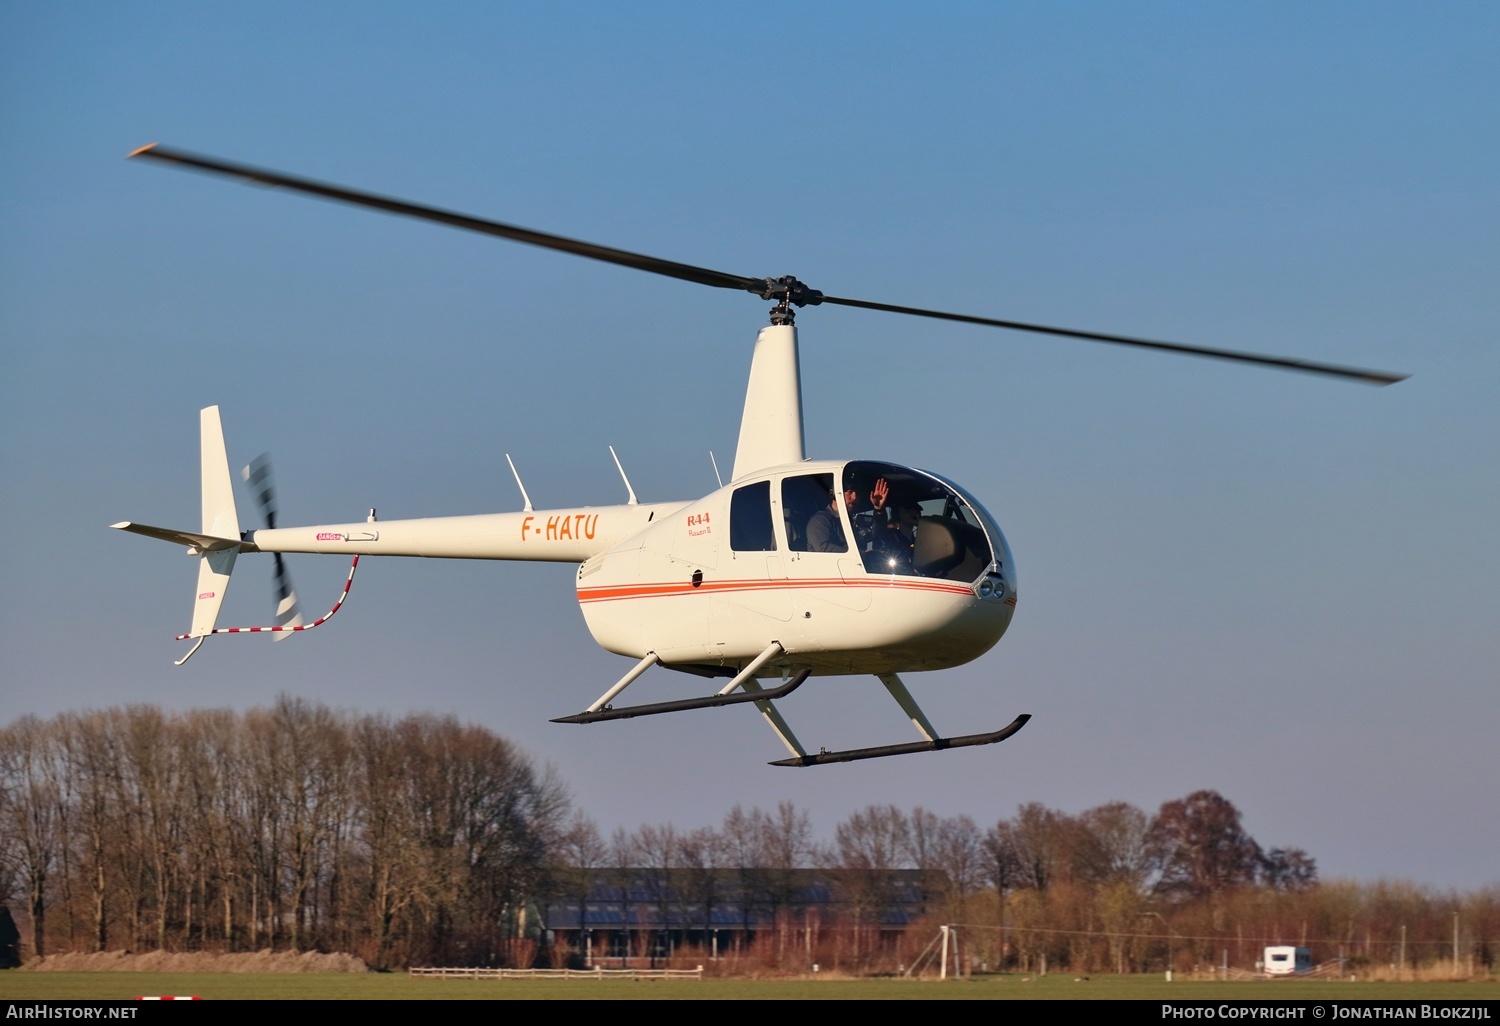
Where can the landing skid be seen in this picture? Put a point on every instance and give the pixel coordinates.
(935, 745)
(709, 702)
(745, 688)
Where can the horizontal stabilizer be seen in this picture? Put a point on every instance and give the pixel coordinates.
(193, 540)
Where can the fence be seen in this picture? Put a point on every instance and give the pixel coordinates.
(597, 973)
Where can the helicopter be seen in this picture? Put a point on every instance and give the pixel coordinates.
(793, 568)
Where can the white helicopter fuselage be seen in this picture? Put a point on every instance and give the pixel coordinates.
(668, 578)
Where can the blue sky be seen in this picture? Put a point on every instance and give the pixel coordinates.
(1275, 586)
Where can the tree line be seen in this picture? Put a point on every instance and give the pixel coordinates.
(294, 827)
(422, 840)
(1111, 889)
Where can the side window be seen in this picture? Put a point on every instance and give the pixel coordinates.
(750, 519)
(812, 524)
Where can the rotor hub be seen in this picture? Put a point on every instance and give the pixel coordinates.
(788, 292)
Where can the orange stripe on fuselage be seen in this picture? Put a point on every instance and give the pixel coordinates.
(613, 593)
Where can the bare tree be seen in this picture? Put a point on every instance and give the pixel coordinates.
(920, 852)
(1288, 869)
(1002, 867)
(1205, 849)
(867, 847)
(152, 811)
(788, 848)
(1123, 849)
(704, 858)
(29, 808)
(657, 847)
(387, 830)
(624, 855)
(1038, 845)
(207, 757)
(746, 837)
(958, 856)
(91, 767)
(581, 857)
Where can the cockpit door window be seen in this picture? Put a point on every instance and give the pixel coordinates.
(911, 524)
(810, 511)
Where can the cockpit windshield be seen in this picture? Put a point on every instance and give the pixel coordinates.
(910, 523)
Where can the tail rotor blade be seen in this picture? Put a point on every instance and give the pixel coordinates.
(288, 609)
(258, 476)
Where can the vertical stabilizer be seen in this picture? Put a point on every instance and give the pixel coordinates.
(216, 562)
(214, 568)
(219, 517)
(771, 428)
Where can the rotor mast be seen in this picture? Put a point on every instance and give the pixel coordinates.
(771, 432)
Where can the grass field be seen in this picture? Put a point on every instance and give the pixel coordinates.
(399, 987)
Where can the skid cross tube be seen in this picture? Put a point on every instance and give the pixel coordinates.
(935, 745)
(707, 702)
(624, 682)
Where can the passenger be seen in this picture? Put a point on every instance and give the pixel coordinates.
(825, 532)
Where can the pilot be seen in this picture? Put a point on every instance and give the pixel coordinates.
(869, 523)
(895, 544)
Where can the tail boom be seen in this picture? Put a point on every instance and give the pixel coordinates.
(552, 536)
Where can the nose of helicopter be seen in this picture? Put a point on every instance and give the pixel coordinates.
(928, 625)
(974, 625)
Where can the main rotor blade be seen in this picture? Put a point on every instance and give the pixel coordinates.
(324, 190)
(787, 289)
(1371, 377)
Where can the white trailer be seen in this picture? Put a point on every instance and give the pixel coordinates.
(1284, 960)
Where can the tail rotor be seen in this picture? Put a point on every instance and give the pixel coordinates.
(288, 609)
